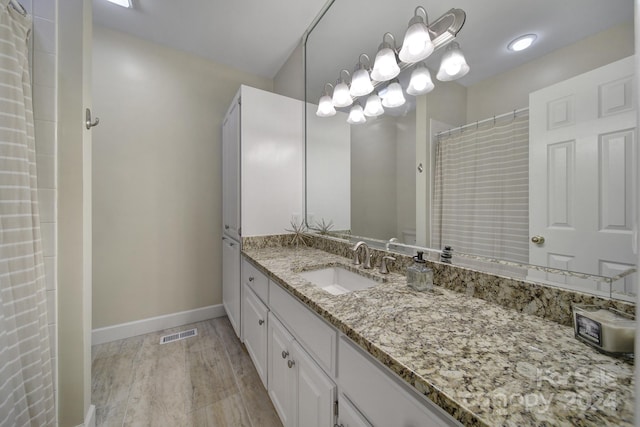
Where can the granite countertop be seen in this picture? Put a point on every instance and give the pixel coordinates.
(484, 364)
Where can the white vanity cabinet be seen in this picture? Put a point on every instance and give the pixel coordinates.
(381, 397)
(262, 146)
(254, 321)
(348, 415)
(231, 294)
(301, 392)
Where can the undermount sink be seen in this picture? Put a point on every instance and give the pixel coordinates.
(338, 280)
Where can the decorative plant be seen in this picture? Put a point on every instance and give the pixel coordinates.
(298, 231)
(323, 227)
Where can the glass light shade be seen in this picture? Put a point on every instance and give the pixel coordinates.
(325, 107)
(341, 96)
(356, 115)
(453, 65)
(420, 82)
(394, 97)
(373, 107)
(361, 83)
(385, 66)
(417, 44)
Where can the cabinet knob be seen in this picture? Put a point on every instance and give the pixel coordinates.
(251, 278)
(290, 364)
(260, 322)
(285, 354)
(226, 227)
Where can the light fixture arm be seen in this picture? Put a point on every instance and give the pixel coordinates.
(348, 80)
(361, 65)
(417, 18)
(326, 92)
(384, 43)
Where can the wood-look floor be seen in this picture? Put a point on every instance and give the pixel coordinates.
(203, 381)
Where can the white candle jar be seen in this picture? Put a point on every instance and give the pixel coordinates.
(607, 329)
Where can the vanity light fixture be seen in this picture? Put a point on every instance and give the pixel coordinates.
(341, 95)
(394, 96)
(361, 82)
(123, 3)
(356, 115)
(385, 66)
(420, 82)
(522, 42)
(453, 65)
(417, 44)
(421, 39)
(325, 106)
(373, 107)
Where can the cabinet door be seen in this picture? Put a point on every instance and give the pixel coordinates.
(348, 415)
(281, 378)
(231, 172)
(231, 281)
(316, 391)
(254, 322)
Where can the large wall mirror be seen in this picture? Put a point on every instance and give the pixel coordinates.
(524, 165)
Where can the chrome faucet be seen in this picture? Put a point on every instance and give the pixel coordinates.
(367, 255)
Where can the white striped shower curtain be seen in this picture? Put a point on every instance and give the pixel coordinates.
(481, 190)
(26, 385)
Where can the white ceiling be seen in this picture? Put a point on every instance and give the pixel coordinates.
(257, 36)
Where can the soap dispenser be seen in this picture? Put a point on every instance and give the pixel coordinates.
(419, 276)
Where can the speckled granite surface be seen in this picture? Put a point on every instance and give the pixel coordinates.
(532, 298)
(484, 364)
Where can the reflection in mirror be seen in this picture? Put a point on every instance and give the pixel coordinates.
(527, 160)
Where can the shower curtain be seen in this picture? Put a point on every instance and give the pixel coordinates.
(26, 386)
(481, 191)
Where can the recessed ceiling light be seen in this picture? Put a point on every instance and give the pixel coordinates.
(123, 3)
(522, 42)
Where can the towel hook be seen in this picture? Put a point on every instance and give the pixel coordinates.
(88, 122)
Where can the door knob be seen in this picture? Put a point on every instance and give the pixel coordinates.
(89, 124)
(538, 240)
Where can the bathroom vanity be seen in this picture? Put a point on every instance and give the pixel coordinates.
(388, 355)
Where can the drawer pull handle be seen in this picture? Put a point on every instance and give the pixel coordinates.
(260, 322)
(285, 354)
(290, 364)
(251, 278)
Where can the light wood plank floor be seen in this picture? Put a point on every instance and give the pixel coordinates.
(203, 381)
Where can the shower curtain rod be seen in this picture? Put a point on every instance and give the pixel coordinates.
(513, 113)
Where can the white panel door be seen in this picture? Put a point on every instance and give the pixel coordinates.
(231, 281)
(254, 322)
(281, 378)
(316, 391)
(231, 171)
(582, 137)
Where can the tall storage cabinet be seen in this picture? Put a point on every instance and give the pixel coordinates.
(262, 167)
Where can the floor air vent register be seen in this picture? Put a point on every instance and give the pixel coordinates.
(179, 336)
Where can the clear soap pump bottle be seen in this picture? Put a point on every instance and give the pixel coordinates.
(419, 276)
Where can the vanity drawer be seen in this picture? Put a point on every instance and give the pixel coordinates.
(318, 337)
(256, 280)
(382, 397)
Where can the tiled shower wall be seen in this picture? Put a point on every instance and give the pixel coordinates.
(43, 55)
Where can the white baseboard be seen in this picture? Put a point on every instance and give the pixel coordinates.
(90, 417)
(153, 324)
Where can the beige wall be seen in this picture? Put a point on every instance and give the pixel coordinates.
(157, 177)
(510, 90)
(289, 81)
